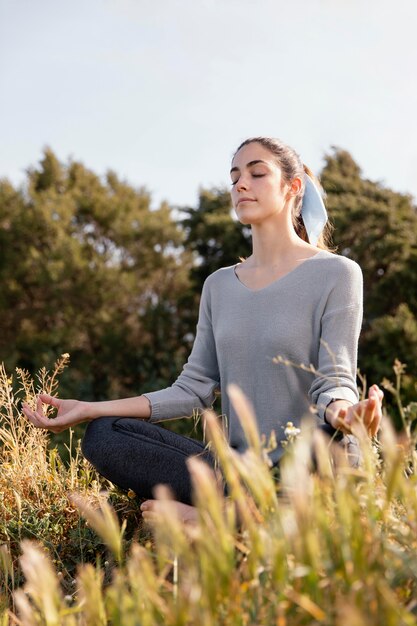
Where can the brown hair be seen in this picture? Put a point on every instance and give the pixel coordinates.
(291, 166)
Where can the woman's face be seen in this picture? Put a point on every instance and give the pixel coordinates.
(258, 192)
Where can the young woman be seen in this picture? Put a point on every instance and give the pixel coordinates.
(292, 301)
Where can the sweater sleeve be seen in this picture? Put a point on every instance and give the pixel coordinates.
(338, 351)
(196, 385)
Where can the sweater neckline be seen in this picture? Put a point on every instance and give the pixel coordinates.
(278, 280)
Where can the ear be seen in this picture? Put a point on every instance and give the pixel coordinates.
(295, 186)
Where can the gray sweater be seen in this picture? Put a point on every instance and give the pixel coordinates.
(310, 316)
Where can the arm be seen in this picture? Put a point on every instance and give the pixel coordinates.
(73, 412)
(335, 390)
(196, 385)
(339, 335)
(194, 388)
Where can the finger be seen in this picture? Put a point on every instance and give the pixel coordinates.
(361, 411)
(39, 406)
(48, 399)
(375, 390)
(355, 418)
(342, 421)
(370, 418)
(376, 421)
(375, 426)
(375, 393)
(150, 518)
(56, 424)
(37, 418)
(356, 411)
(32, 416)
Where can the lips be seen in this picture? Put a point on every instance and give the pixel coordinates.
(245, 200)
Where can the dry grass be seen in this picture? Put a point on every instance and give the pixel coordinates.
(36, 487)
(334, 547)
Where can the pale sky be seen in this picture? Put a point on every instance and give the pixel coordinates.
(163, 91)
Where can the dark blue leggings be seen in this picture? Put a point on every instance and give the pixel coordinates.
(135, 454)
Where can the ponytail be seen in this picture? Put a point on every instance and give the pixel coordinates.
(324, 240)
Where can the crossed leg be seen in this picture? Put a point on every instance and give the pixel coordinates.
(134, 454)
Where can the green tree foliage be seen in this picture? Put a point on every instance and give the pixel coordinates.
(88, 268)
(377, 228)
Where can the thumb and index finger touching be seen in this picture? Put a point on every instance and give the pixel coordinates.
(48, 399)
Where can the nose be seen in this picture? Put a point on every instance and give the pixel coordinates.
(242, 183)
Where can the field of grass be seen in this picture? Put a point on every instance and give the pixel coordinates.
(337, 546)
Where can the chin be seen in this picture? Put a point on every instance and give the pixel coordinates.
(246, 220)
(249, 221)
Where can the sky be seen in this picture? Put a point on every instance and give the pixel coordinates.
(163, 92)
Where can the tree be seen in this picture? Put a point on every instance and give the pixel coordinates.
(88, 268)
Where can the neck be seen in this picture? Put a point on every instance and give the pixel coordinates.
(275, 243)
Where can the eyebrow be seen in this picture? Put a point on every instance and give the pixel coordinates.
(236, 169)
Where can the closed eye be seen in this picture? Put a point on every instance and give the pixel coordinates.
(253, 176)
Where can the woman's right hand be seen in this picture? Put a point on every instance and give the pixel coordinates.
(70, 413)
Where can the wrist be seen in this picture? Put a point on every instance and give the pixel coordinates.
(90, 410)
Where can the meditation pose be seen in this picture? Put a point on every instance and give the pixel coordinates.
(291, 302)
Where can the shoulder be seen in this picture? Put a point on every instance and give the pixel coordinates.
(340, 267)
(341, 281)
(219, 276)
(216, 283)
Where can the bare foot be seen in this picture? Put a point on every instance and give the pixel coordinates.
(151, 508)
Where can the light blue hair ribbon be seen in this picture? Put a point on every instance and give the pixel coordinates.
(313, 211)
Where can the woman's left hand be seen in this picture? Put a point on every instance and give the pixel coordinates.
(367, 412)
